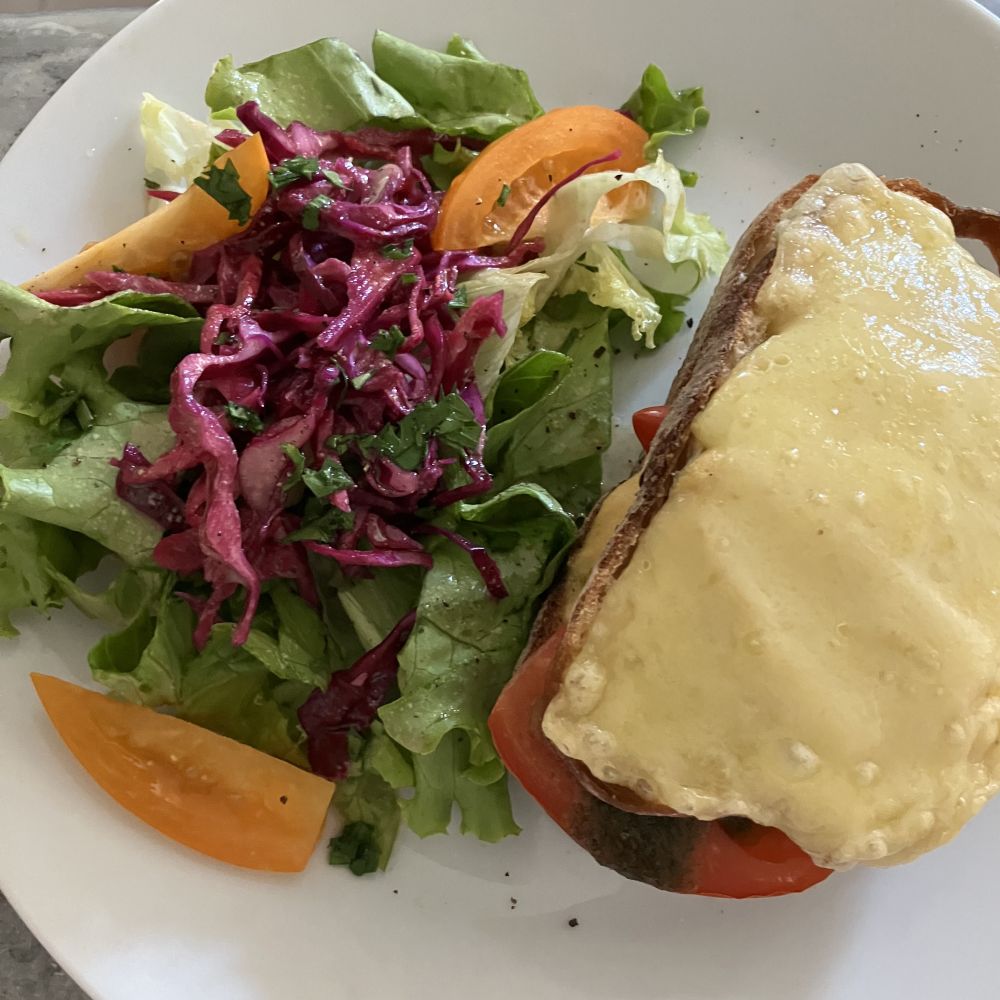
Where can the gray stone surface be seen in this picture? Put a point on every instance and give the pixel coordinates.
(37, 54)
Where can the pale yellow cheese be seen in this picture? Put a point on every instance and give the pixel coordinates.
(808, 633)
(580, 564)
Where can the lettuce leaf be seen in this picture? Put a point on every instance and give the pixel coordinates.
(458, 91)
(574, 410)
(662, 112)
(368, 803)
(327, 85)
(442, 165)
(250, 693)
(76, 489)
(37, 563)
(45, 338)
(177, 146)
(638, 264)
(324, 84)
(461, 652)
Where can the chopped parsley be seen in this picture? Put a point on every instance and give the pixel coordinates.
(321, 522)
(398, 251)
(223, 185)
(328, 478)
(460, 300)
(357, 848)
(388, 341)
(334, 178)
(310, 214)
(244, 419)
(449, 420)
(504, 195)
(296, 168)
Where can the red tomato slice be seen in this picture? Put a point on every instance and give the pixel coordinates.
(647, 422)
(735, 859)
(207, 792)
(521, 166)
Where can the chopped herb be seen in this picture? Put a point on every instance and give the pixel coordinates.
(244, 419)
(310, 214)
(296, 168)
(460, 300)
(356, 848)
(408, 279)
(222, 338)
(688, 177)
(504, 195)
(321, 522)
(359, 381)
(321, 482)
(150, 185)
(298, 461)
(334, 178)
(223, 185)
(117, 270)
(328, 478)
(339, 442)
(449, 420)
(398, 251)
(388, 341)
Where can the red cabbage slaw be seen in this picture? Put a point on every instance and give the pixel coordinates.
(327, 324)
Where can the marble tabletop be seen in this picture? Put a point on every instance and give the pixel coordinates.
(38, 53)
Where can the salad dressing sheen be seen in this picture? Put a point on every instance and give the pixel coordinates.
(808, 633)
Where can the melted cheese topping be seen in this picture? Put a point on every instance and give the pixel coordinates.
(580, 564)
(808, 633)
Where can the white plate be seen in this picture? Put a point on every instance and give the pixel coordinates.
(908, 86)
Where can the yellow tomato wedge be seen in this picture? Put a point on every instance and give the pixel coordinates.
(207, 792)
(161, 244)
(521, 166)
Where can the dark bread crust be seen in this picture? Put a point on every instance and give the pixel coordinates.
(631, 836)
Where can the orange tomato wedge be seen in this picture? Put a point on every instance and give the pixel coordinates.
(161, 244)
(207, 792)
(526, 163)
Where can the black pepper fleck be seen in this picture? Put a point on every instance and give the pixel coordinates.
(600, 351)
(506, 874)
(690, 322)
(573, 922)
(283, 800)
(395, 892)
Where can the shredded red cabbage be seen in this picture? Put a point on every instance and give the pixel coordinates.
(350, 702)
(483, 561)
(327, 323)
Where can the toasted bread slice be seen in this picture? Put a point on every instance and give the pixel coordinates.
(618, 829)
